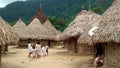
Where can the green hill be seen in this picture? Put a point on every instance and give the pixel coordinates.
(60, 12)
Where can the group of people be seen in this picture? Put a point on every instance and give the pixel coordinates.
(37, 50)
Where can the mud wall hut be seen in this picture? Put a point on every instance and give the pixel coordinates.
(83, 21)
(52, 33)
(20, 29)
(36, 32)
(11, 36)
(109, 34)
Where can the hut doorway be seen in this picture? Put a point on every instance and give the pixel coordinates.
(99, 49)
(49, 43)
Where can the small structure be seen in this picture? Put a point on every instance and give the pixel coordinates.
(20, 29)
(83, 21)
(52, 33)
(36, 31)
(11, 36)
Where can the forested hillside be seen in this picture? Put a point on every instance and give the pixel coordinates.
(60, 12)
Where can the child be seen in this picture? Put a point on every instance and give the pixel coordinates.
(30, 49)
(46, 49)
(34, 50)
(38, 49)
(43, 50)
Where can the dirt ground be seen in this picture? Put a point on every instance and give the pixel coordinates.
(57, 58)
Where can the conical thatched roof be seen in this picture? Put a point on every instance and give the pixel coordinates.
(11, 36)
(20, 29)
(36, 30)
(3, 38)
(50, 28)
(41, 15)
(109, 28)
(94, 21)
(52, 32)
(82, 22)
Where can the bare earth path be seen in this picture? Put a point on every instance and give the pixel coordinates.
(57, 58)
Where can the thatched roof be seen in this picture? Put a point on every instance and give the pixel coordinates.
(50, 28)
(109, 28)
(52, 32)
(82, 22)
(3, 38)
(20, 29)
(11, 36)
(41, 15)
(36, 30)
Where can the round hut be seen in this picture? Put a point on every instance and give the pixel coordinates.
(20, 29)
(36, 31)
(11, 36)
(52, 33)
(83, 21)
(108, 35)
(3, 41)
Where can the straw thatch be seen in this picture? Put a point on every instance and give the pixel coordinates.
(20, 29)
(93, 20)
(3, 39)
(41, 15)
(11, 36)
(52, 32)
(82, 22)
(109, 28)
(36, 30)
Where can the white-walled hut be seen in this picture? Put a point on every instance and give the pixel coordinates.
(52, 33)
(11, 36)
(36, 32)
(83, 21)
(20, 29)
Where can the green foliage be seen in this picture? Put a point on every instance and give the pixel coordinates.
(98, 10)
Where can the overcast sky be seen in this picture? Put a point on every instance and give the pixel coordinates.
(3, 3)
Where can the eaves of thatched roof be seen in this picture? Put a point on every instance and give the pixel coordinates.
(11, 36)
(20, 29)
(109, 28)
(35, 30)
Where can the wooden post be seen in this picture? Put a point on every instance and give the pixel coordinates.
(0, 54)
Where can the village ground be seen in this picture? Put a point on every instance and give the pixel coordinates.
(57, 58)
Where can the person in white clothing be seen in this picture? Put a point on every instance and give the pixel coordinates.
(30, 49)
(38, 49)
(34, 51)
(43, 50)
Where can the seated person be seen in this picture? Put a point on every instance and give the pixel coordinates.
(98, 61)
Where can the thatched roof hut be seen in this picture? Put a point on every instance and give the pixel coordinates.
(93, 20)
(41, 15)
(36, 30)
(20, 29)
(106, 39)
(83, 21)
(109, 28)
(12, 37)
(51, 31)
